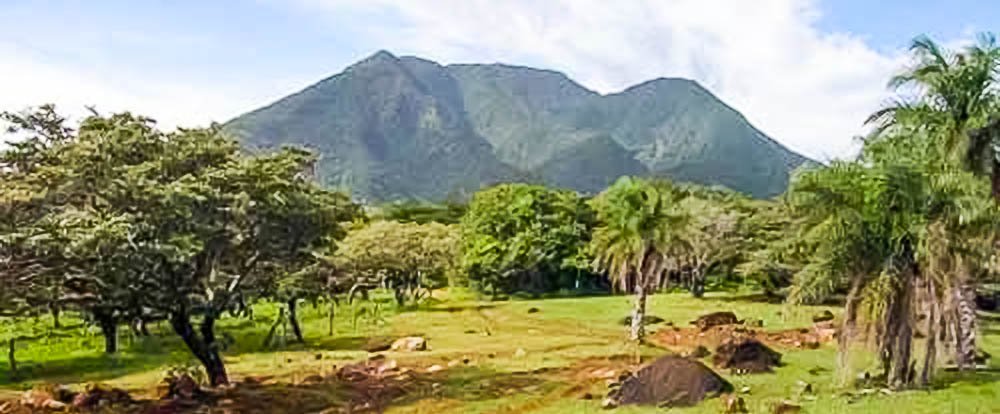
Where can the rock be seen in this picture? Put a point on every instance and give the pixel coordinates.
(804, 387)
(823, 316)
(313, 379)
(377, 344)
(587, 396)
(733, 404)
(470, 331)
(38, 397)
(533, 310)
(756, 323)
(454, 363)
(746, 355)
(646, 320)
(745, 390)
(669, 381)
(409, 344)
(386, 367)
(520, 353)
(376, 357)
(435, 368)
(713, 319)
(318, 357)
(786, 407)
(97, 395)
(608, 403)
(698, 353)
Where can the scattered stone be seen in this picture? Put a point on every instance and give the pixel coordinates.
(409, 344)
(713, 319)
(435, 368)
(97, 395)
(533, 310)
(745, 389)
(520, 353)
(470, 331)
(319, 357)
(746, 355)
(646, 320)
(787, 407)
(804, 388)
(587, 396)
(733, 404)
(669, 381)
(377, 344)
(823, 316)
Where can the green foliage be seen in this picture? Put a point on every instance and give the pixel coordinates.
(409, 258)
(127, 220)
(523, 237)
(422, 212)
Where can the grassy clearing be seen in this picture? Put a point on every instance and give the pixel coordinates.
(561, 342)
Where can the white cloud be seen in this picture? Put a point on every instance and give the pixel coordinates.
(808, 89)
(28, 79)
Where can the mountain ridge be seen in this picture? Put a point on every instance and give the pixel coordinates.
(390, 127)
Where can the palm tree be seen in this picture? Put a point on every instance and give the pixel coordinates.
(894, 236)
(955, 94)
(638, 225)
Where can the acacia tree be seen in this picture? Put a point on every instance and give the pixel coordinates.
(179, 222)
(411, 259)
(524, 237)
(639, 223)
(712, 237)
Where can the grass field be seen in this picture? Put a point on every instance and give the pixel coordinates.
(516, 361)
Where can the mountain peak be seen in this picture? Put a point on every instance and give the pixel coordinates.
(404, 127)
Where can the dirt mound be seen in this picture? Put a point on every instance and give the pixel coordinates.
(669, 381)
(704, 322)
(746, 355)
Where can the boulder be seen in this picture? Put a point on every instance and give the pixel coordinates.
(409, 344)
(668, 381)
(745, 355)
(646, 320)
(823, 316)
(713, 319)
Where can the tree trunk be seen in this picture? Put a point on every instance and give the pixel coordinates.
(204, 348)
(293, 317)
(995, 179)
(333, 309)
(966, 331)
(697, 283)
(638, 330)
(55, 311)
(930, 351)
(899, 332)
(11, 357)
(109, 329)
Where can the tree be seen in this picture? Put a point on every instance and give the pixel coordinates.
(409, 258)
(524, 237)
(954, 95)
(712, 237)
(639, 223)
(181, 222)
(872, 227)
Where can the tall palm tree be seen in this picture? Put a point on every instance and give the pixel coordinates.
(952, 95)
(894, 235)
(638, 225)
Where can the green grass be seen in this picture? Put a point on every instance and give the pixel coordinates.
(565, 339)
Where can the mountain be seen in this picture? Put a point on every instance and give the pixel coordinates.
(403, 127)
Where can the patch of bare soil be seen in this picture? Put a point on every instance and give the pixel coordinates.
(686, 340)
(670, 381)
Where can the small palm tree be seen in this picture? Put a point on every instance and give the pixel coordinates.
(638, 226)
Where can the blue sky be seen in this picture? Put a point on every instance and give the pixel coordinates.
(803, 71)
